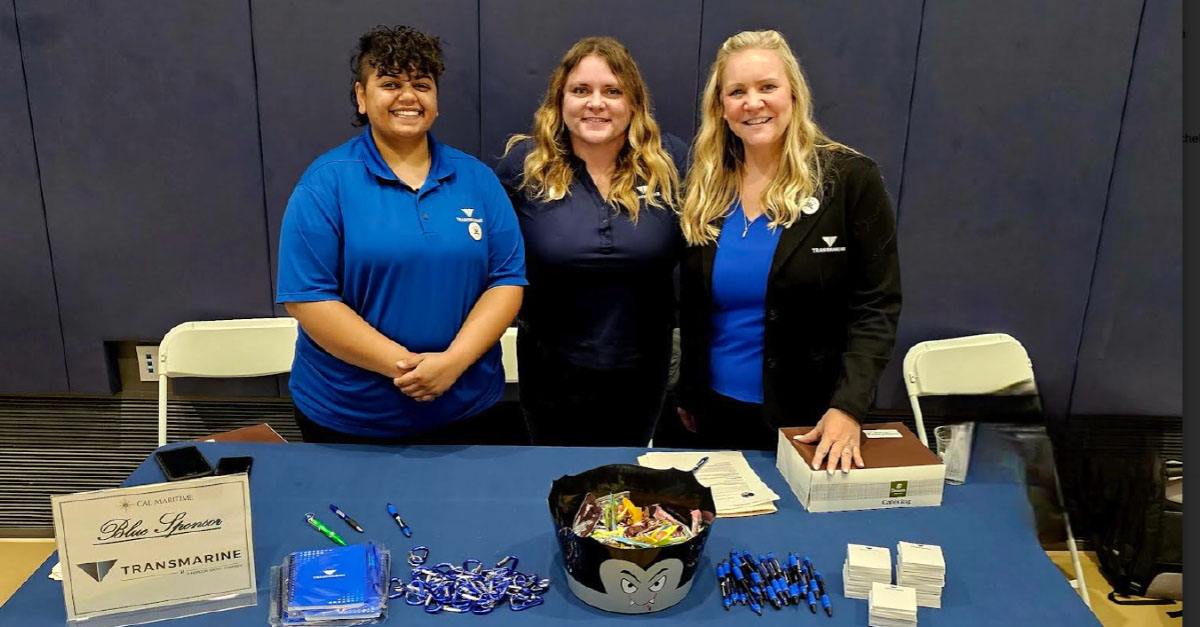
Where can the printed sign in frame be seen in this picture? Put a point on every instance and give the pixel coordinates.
(156, 551)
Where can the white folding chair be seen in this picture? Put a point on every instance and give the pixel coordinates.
(988, 364)
(252, 347)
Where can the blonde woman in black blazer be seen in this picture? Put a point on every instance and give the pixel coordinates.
(790, 285)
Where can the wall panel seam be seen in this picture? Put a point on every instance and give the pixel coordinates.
(912, 92)
(1087, 300)
(262, 162)
(42, 196)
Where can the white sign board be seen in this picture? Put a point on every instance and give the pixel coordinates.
(152, 547)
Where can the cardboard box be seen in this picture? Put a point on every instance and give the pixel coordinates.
(260, 433)
(898, 472)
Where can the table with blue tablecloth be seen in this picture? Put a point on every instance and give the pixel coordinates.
(489, 502)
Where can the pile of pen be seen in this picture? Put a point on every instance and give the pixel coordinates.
(758, 582)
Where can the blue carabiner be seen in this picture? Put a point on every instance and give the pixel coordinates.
(522, 603)
(418, 556)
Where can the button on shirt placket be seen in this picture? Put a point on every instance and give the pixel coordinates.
(605, 213)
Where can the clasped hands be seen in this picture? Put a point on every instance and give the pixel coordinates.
(426, 376)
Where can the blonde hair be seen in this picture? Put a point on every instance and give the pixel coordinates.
(547, 175)
(719, 156)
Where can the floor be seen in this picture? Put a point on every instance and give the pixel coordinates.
(22, 557)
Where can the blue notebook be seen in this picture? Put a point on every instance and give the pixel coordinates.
(331, 578)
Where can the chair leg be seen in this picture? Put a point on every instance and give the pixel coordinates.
(162, 409)
(920, 420)
(1083, 591)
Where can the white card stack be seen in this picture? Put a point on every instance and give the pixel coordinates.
(865, 565)
(923, 568)
(891, 606)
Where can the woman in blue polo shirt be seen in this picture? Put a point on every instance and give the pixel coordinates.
(402, 260)
(594, 185)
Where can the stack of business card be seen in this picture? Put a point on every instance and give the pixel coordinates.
(923, 568)
(891, 606)
(865, 565)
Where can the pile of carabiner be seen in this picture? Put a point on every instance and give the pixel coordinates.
(467, 588)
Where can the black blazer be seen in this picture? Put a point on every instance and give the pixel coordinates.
(832, 303)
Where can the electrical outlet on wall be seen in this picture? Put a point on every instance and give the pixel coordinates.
(147, 358)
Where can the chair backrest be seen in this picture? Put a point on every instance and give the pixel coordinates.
(992, 363)
(251, 347)
(229, 348)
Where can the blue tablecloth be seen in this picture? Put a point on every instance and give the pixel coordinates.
(488, 502)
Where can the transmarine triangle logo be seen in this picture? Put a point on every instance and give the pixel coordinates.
(829, 240)
(97, 570)
(468, 211)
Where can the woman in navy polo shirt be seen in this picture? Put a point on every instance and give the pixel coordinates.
(790, 286)
(402, 260)
(595, 185)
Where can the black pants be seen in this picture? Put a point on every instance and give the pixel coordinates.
(726, 423)
(566, 405)
(498, 425)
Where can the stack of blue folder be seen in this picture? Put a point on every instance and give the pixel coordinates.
(344, 585)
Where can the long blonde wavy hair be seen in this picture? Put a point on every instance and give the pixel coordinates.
(547, 174)
(715, 177)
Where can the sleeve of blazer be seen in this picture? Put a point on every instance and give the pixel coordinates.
(874, 290)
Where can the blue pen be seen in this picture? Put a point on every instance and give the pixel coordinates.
(812, 595)
(700, 464)
(725, 600)
(391, 509)
(349, 521)
(825, 602)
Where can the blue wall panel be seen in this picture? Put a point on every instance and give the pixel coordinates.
(147, 139)
(29, 328)
(858, 57)
(302, 53)
(521, 44)
(1016, 112)
(1131, 359)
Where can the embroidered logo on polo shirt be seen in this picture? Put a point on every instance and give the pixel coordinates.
(475, 230)
(829, 245)
(469, 212)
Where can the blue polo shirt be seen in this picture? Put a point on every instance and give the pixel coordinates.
(411, 263)
(601, 288)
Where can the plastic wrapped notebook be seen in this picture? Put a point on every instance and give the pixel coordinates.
(336, 586)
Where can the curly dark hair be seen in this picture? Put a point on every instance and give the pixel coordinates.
(393, 50)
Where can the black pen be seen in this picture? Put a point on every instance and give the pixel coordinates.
(700, 464)
(349, 521)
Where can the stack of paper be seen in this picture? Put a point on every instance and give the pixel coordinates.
(865, 565)
(891, 606)
(737, 490)
(922, 567)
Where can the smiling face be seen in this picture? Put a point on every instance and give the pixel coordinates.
(594, 106)
(399, 108)
(756, 97)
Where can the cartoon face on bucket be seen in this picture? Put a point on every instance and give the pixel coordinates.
(633, 580)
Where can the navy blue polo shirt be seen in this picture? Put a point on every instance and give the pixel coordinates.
(411, 263)
(601, 291)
